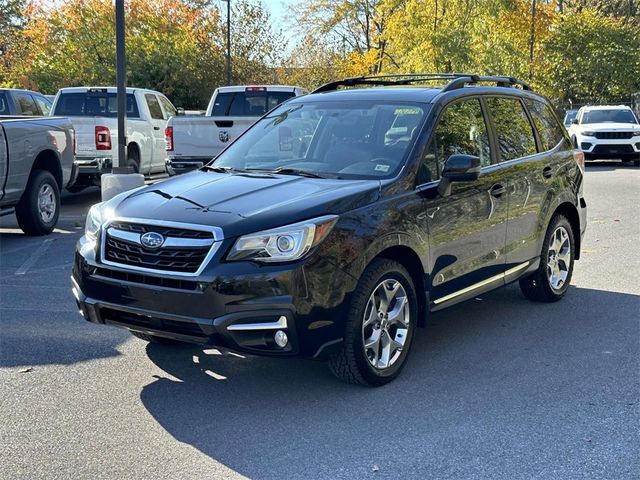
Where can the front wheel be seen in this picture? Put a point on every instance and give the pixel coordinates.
(551, 280)
(379, 327)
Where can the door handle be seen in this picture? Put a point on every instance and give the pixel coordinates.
(497, 190)
(547, 172)
(156, 128)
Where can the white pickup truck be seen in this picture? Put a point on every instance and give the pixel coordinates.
(193, 141)
(93, 113)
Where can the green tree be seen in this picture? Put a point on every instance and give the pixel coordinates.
(592, 57)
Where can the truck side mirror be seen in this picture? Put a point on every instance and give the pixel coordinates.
(180, 111)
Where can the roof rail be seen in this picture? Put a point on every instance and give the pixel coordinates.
(456, 80)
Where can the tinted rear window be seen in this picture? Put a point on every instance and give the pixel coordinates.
(247, 104)
(92, 104)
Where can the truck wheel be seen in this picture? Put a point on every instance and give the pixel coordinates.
(379, 327)
(551, 280)
(154, 339)
(133, 159)
(39, 208)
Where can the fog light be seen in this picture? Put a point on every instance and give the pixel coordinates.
(281, 339)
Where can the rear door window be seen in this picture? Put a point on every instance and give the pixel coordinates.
(513, 129)
(43, 104)
(250, 103)
(4, 104)
(548, 127)
(26, 104)
(154, 106)
(169, 109)
(93, 104)
(461, 129)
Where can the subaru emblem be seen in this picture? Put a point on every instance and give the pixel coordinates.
(151, 240)
(223, 136)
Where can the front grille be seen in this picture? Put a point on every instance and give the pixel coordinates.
(613, 135)
(183, 251)
(175, 283)
(613, 149)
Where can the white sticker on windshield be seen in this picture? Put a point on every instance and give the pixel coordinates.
(382, 168)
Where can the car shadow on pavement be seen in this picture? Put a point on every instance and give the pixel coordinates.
(492, 384)
(609, 165)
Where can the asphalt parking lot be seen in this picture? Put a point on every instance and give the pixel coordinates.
(497, 387)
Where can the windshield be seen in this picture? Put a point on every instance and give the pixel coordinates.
(350, 139)
(609, 116)
(93, 104)
(4, 104)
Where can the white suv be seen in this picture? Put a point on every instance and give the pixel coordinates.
(607, 132)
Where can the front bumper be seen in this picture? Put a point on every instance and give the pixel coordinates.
(237, 305)
(595, 148)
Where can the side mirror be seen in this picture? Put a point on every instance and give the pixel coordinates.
(458, 168)
(180, 111)
(574, 121)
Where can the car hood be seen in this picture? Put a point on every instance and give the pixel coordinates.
(241, 204)
(609, 127)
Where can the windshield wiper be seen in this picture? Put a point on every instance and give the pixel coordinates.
(291, 171)
(216, 168)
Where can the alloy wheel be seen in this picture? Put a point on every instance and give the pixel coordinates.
(385, 325)
(559, 258)
(46, 203)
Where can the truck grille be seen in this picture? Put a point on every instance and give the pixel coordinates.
(182, 250)
(613, 135)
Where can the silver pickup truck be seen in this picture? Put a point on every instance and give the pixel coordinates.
(36, 163)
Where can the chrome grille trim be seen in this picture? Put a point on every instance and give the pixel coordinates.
(170, 242)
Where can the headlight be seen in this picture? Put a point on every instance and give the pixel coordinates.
(95, 219)
(636, 132)
(283, 244)
(588, 134)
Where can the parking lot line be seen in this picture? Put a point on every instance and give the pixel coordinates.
(33, 258)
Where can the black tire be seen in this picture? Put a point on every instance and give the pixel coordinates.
(28, 211)
(351, 363)
(133, 160)
(154, 339)
(537, 286)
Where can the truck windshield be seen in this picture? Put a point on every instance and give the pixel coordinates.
(349, 139)
(609, 116)
(248, 103)
(93, 104)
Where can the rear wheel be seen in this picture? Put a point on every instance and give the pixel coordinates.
(379, 328)
(39, 208)
(133, 160)
(551, 280)
(155, 339)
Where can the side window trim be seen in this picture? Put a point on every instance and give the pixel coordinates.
(491, 132)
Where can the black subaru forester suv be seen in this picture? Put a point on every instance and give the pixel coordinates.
(341, 219)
